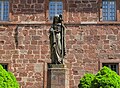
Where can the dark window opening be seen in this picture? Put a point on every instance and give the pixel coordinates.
(112, 66)
(5, 66)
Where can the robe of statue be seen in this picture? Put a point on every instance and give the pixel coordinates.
(57, 42)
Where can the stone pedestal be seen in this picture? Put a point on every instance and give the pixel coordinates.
(57, 76)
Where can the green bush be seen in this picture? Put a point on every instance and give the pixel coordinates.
(85, 82)
(105, 78)
(7, 79)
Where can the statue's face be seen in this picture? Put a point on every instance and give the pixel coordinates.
(56, 20)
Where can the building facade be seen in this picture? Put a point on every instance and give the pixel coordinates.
(92, 38)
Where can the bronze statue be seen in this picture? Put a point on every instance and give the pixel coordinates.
(57, 41)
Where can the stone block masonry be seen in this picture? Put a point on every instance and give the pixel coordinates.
(74, 11)
(27, 10)
(27, 6)
(57, 77)
(83, 10)
(24, 40)
(86, 45)
(27, 59)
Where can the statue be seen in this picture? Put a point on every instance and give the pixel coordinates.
(57, 41)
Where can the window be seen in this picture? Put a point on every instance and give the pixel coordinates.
(55, 8)
(109, 10)
(5, 66)
(4, 10)
(113, 66)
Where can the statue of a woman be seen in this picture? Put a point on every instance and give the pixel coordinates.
(57, 41)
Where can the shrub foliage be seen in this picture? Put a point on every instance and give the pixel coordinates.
(7, 79)
(105, 78)
(85, 82)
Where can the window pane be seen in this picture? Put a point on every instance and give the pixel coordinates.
(4, 10)
(0, 9)
(55, 8)
(109, 7)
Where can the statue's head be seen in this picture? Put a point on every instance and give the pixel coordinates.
(57, 19)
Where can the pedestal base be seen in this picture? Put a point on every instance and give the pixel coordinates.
(57, 76)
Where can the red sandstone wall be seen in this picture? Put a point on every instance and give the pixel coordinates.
(86, 45)
(82, 10)
(27, 60)
(27, 10)
(74, 11)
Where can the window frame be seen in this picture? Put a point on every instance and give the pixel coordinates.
(2, 19)
(110, 66)
(108, 10)
(100, 2)
(110, 61)
(57, 2)
(64, 14)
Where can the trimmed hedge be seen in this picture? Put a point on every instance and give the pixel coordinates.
(105, 78)
(7, 79)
